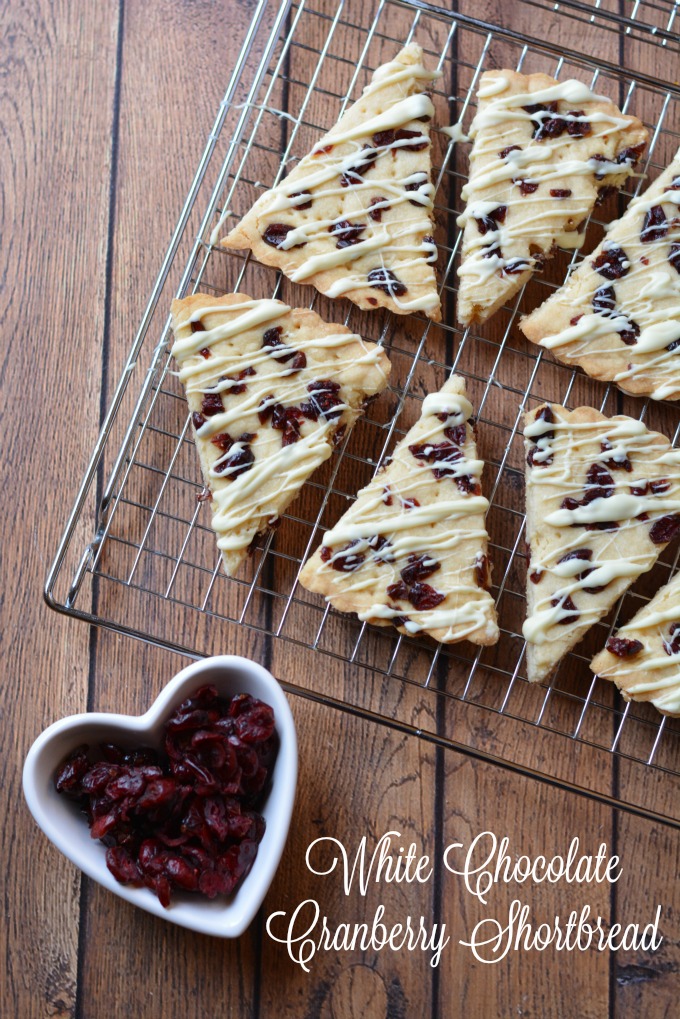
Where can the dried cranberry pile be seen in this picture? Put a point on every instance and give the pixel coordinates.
(185, 818)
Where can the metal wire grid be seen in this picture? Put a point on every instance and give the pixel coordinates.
(154, 535)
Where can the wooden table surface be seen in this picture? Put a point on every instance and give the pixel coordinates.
(104, 110)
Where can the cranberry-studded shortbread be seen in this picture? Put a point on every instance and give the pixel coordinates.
(270, 390)
(603, 500)
(354, 217)
(412, 549)
(618, 315)
(542, 152)
(643, 657)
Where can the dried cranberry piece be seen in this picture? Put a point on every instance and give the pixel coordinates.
(238, 463)
(622, 647)
(69, 776)
(569, 503)
(381, 548)
(197, 327)
(212, 404)
(672, 646)
(423, 597)
(387, 496)
(620, 463)
(599, 484)
(307, 204)
(348, 561)
(585, 554)
(385, 280)
(123, 867)
(659, 486)
(510, 148)
(398, 591)
(629, 336)
(516, 266)
(664, 529)
(674, 345)
(674, 256)
(428, 239)
(346, 233)
(560, 192)
(416, 186)
(376, 214)
(288, 421)
(446, 453)
(655, 225)
(276, 233)
(604, 300)
(385, 138)
(325, 400)
(545, 125)
(419, 568)
(483, 572)
(631, 154)
(536, 576)
(578, 128)
(491, 219)
(612, 263)
(526, 187)
(205, 352)
(325, 553)
(568, 606)
(365, 161)
(223, 441)
(409, 504)
(322, 150)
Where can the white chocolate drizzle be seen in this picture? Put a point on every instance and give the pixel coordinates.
(652, 672)
(391, 211)
(562, 451)
(230, 357)
(407, 513)
(648, 294)
(513, 170)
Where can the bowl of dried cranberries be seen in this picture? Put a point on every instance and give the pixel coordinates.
(183, 811)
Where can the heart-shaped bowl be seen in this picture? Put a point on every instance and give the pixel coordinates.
(67, 827)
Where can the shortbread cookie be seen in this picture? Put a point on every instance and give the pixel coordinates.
(270, 390)
(643, 658)
(603, 501)
(618, 315)
(354, 217)
(542, 152)
(412, 549)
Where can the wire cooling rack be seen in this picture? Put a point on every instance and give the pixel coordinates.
(148, 565)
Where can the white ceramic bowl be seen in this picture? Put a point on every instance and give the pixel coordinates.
(67, 827)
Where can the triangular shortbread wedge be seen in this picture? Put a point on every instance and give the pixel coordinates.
(643, 657)
(542, 152)
(618, 315)
(412, 549)
(270, 389)
(355, 215)
(603, 501)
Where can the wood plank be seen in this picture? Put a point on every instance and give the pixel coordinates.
(174, 71)
(58, 65)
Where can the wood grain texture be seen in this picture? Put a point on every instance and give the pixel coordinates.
(57, 67)
(104, 111)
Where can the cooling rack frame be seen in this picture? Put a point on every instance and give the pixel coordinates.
(450, 680)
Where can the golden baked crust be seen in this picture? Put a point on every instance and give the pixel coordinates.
(412, 550)
(603, 500)
(643, 657)
(618, 315)
(354, 217)
(269, 389)
(542, 151)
